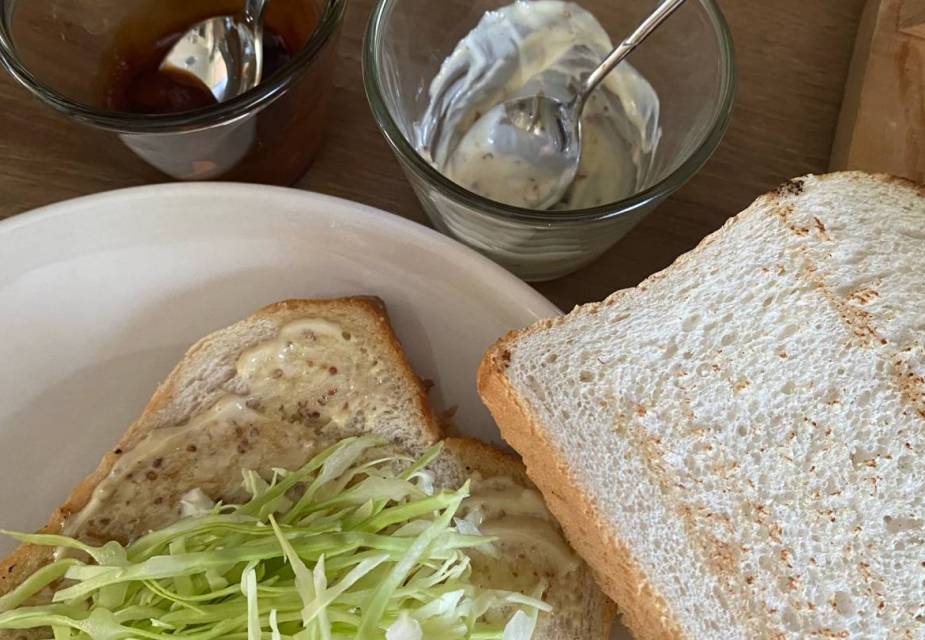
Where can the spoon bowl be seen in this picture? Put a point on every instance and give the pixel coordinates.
(523, 152)
(224, 54)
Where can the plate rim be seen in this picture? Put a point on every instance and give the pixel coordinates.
(80, 205)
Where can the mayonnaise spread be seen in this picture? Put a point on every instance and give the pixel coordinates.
(530, 48)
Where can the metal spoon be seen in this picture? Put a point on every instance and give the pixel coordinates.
(539, 137)
(224, 53)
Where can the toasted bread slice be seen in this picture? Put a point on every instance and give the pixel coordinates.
(268, 392)
(580, 610)
(293, 402)
(738, 442)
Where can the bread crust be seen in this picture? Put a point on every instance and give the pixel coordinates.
(27, 558)
(642, 609)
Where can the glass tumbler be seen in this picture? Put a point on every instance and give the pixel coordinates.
(688, 61)
(61, 51)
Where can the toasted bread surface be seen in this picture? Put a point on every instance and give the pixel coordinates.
(342, 345)
(737, 443)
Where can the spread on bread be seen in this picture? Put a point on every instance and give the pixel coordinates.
(355, 543)
(518, 517)
(285, 366)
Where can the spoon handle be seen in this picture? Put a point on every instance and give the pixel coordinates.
(253, 18)
(253, 14)
(615, 57)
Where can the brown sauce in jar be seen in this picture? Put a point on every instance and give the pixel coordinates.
(132, 81)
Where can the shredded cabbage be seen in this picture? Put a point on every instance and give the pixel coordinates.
(405, 628)
(355, 544)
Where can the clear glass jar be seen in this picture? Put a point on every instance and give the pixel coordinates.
(59, 50)
(689, 61)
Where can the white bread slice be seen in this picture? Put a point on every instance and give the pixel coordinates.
(738, 444)
(293, 378)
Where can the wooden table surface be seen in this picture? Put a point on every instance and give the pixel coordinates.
(792, 56)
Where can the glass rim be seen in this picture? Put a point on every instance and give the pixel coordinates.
(655, 193)
(202, 118)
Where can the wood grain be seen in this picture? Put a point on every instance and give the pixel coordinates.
(793, 59)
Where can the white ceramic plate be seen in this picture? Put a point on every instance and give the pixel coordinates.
(100, 296)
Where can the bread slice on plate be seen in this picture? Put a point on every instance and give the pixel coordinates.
(272, 391)
(739, 442)
(581, 611)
